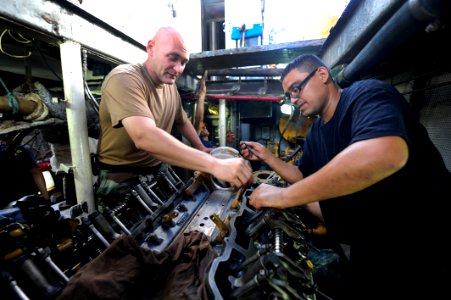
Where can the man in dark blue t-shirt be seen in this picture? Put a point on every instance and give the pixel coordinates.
(370, 172)
(20, 175)
(204, 135)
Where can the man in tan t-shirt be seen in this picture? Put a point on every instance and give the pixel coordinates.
(139, 106)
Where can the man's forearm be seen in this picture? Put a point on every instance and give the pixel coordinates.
(40, 182)
(190, 134)
(290, 173)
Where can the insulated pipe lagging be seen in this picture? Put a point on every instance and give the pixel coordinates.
(413, 16)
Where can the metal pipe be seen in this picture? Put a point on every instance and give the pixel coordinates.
(246, 72)
(222, 122)
(213, 38)
(413, 16)
(242, 97)
(76, 122)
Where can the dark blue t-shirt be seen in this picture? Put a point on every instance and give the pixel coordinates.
(207, 144)
(370, 109)
(16, 180)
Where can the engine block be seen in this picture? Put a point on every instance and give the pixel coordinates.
(261, 254)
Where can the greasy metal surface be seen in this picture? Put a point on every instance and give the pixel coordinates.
(250, 56)
(217, 202)
(183, 210)
(67, 22)
(246, 87)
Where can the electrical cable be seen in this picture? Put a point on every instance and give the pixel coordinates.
(91, 97)
(23, 40)
(9, 54)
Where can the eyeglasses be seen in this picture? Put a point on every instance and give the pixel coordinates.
(295, 90)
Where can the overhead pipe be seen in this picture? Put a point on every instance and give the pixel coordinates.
(240, 97)
(413, 16)
(268, 72)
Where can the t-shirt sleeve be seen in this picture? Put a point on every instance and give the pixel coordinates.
(124, 95)
(377, 112)
(368, 109)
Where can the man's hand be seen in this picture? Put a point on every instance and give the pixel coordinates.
(207, 149)
(266, 195)
(254, 151)
(233, 170)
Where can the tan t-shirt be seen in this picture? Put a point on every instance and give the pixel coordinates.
(129, 91)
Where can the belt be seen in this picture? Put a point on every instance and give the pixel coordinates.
(129, 169)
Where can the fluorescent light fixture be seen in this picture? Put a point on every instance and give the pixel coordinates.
(286, 109)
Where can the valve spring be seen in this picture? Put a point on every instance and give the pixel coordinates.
(278, 240)
(119, 207)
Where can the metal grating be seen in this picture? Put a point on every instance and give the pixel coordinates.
(436, 115)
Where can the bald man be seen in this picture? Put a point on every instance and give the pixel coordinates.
(140, 105)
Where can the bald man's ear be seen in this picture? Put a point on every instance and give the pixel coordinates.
(150, 45)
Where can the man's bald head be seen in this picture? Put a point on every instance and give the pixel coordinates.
(167, 55)
(165, 32)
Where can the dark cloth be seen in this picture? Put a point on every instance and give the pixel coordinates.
(16, 180)
(398, 227)
(127, 271)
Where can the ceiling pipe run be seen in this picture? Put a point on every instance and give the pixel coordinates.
(240, 97)
(414, 15)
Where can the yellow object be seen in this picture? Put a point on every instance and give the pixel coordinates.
(213, 110)
(49, 182)
(13, 254)
(298, 125)
(310, 264)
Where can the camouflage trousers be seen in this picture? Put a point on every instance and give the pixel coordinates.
(112, 187)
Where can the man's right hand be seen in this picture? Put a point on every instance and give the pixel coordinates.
(254, 151)
(236, 171)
